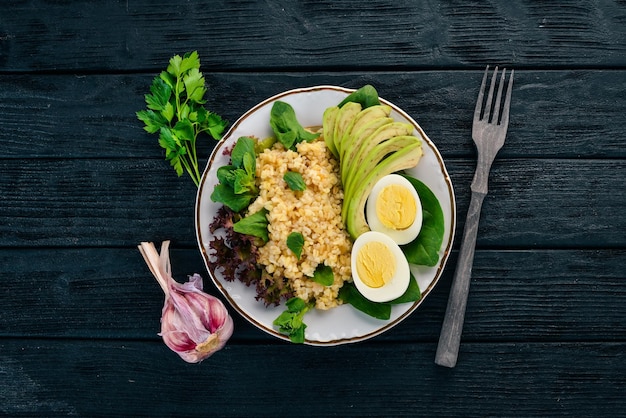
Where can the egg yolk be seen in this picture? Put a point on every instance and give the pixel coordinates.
(395, 207)
(375, 264)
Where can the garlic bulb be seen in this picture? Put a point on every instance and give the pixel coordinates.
(194, 324)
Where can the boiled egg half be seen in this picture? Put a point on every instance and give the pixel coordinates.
(379, 268)
(394, 208)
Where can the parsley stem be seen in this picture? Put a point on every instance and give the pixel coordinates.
(194, 176)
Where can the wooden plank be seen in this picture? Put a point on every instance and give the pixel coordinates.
(515, 296)
(143, 378)
(380, 34)
(94, 116)
(117, 202)
(113, 202)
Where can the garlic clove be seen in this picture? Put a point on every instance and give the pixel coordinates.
(194, 324)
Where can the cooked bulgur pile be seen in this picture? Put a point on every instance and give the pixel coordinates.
(314, 212)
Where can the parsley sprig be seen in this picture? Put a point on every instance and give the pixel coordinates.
(176, 111)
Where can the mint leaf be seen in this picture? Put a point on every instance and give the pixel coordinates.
(244, 145)
(295, 242)
(238, 180)
(291, 321)
(296, 305)
(286, 126)
(243, 182)
(225, 195)
(249, 165)
(323, 275)
(295, 181)
(226, 175)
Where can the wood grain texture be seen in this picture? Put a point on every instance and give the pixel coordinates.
(101, 377)
(515, 296)
(124, 36)
(94, 116)
(81, 184)
(60, 203)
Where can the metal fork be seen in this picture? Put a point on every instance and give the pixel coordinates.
(488, 134)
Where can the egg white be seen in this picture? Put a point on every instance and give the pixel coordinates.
(400, 236)
(398, 283)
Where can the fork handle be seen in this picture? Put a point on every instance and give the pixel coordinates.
(450, 338)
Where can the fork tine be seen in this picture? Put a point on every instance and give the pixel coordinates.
(481, 92)
(496, 108)
(507, 101)
(490, 95)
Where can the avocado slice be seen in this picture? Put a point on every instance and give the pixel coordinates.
(328, 128)
(344, 117)
(353, 211)
(360, 149)
(377, 154)
(360, 135)
(362, 119)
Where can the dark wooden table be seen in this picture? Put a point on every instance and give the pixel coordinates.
(82, 184)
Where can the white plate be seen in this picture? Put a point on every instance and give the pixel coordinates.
(343, 324)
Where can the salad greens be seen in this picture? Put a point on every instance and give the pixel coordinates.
(295, 181)
(424, 250)
(254, 225)
(237, 181)
(286, 126)
(176, 111)
(237, 188)
(290, 322)
(295, 242)
(323, 275)
(366, 96)
(381, 310)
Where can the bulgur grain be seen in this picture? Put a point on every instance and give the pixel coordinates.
(314, 212)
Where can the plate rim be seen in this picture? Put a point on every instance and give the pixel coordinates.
(340, 340)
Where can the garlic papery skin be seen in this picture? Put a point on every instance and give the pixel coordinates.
(194, 324)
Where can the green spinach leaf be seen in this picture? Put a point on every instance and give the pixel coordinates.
(367, 96)
(349, 294)
(411, 294)
(381, 310)
(424, 250)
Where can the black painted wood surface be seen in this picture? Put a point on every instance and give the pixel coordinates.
(82, 184)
